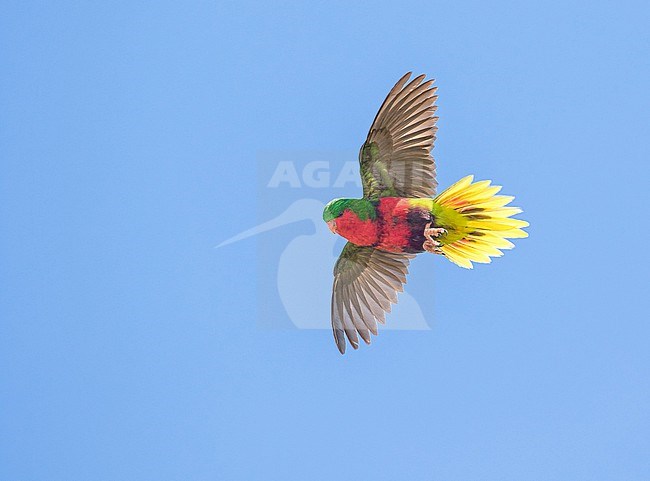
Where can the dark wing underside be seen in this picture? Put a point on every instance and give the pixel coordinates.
(396, 158)
(366, 282)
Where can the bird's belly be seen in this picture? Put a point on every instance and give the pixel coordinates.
(404, 233)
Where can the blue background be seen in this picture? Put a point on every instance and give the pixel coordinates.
(129, 348)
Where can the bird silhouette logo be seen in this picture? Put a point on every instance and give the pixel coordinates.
(302, 281)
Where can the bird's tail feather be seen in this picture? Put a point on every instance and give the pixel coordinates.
(487, 223)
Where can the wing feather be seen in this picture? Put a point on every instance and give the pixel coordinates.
(396, 157)
(366, 282)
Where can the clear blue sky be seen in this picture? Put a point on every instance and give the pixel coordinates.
(130, 141)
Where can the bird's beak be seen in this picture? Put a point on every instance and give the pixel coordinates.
(332, 225)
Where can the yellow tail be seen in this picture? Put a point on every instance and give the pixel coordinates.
(484, 224)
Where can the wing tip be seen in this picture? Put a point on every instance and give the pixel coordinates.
(339, 339)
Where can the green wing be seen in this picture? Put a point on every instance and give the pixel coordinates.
(396, 158)
(366, 282)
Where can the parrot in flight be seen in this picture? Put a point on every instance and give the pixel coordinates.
(400, 215)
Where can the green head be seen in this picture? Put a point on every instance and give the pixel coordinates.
(364, 209)
(335, 208)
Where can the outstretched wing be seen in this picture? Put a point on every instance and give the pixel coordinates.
(396, 158)
(366, 282)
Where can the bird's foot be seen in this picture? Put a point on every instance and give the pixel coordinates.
(433, 231)
(431, 245)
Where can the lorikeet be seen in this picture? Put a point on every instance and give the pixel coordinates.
(399, 217)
